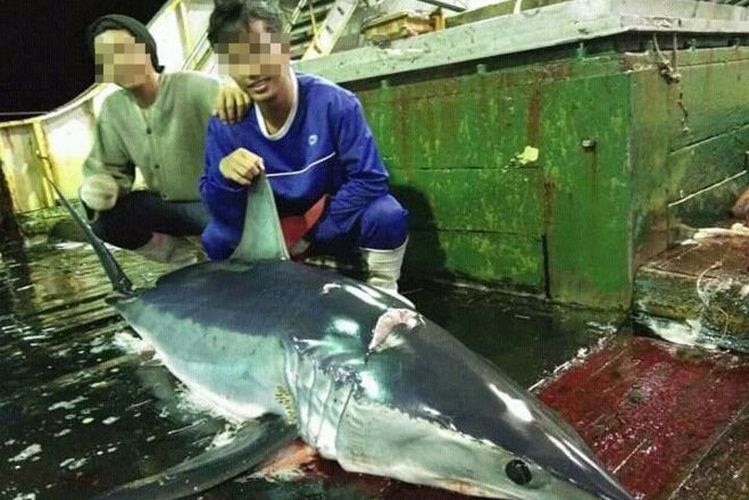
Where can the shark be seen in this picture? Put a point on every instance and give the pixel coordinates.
(358, 374)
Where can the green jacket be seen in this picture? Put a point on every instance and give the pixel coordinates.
(165, 141)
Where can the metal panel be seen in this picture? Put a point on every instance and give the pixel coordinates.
(513, 260)
(564, 23)
(688, 137)
(23, 169)
(452, 146)
(585, 125)
(69, 138)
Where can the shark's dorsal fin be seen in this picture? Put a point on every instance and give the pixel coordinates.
(262, 238)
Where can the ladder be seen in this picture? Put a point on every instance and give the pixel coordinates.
(316, 25)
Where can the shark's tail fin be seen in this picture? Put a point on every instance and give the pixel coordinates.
(120, 282)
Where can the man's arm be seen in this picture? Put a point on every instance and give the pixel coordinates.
(224, 198)
(107, 171)
(366, 177)
(223, 188)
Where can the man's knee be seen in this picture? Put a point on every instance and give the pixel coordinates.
(219, 242)
(112, 228)
(384, 224)
(123, 225)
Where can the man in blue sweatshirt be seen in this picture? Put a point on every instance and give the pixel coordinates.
(312, 140)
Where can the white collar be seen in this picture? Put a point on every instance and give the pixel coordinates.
(281, 133)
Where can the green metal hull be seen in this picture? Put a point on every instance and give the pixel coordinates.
(622, 139)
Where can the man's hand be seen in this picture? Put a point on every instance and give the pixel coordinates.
(231, 103)
(99, 192)
(241, 166)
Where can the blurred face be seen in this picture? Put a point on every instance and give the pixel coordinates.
(256, 60)
(120, 59)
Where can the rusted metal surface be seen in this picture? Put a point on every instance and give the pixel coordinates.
(625, 156)
(690, 136)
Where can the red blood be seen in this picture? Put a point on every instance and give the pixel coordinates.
(649, 409)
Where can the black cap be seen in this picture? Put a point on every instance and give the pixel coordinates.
(127, 23)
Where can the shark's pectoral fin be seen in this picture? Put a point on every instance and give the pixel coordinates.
(390, 327)
(252, 445)
(262, 238)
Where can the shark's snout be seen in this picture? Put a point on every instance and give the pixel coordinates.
(464, 406)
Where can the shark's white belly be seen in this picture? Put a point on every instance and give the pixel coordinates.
(241, 375)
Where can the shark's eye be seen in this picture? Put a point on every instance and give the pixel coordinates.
(518, 472)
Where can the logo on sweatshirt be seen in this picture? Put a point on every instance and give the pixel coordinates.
(312, 140)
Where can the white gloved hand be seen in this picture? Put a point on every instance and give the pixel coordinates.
(99, 191)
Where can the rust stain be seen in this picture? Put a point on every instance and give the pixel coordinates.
(533, 125)
(507, 80)
(401, 103)
(593, 154)
(559, 71)
(550, 193)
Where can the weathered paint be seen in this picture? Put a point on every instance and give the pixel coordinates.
(624, 125)
(513, 260)
(475, 209)
(458, 168)
(618, 142)
(585, 127)
(699, 165)
(704, 102)
(687, 136)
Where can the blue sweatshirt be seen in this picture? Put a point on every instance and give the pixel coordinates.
(326, 147)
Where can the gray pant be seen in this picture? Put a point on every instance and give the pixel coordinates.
(137, 215)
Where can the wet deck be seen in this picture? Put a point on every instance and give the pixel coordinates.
(84, 406)
(697, 292)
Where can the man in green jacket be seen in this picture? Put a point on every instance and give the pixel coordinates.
(155, 121)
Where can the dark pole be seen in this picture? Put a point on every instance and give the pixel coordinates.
(8, 226)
